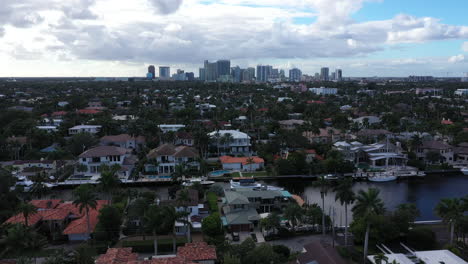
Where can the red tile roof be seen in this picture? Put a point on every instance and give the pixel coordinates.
(197, 251)
(243, 160)
(59, 113)
(103, 151)
(117, 256)
(315, 102)
(88, 111)
(19, 219)
(122, 138)
(80, 226)
(46, 204)
(446, 122)
(55, 214)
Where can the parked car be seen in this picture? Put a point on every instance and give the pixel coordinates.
(235, 236)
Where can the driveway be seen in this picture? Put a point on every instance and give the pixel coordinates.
(297, 243)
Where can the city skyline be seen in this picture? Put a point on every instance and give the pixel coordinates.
(364, 38)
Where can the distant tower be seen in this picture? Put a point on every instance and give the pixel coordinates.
(324, 74)
(295, 75)
(339, 75)
(152, 70)
(164, 72)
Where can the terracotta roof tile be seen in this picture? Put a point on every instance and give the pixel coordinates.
(117, 256)
(79, 226)
(197, 251)
(46, 204)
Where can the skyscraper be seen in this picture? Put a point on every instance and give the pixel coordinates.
(324, 74)
(236, 73)
(211, 71)
(223, 67)
(152, 70)
(201, 74)
(251, 71)
(295, 75)
(164, 72)
(339, 75)
(264, 72)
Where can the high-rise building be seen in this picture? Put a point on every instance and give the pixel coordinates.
(189, 76)
(339, 75)
(295, 75)
(282, 75)
(264, 72)
(164, 72)
(251, 71)
(201, 74)
(179, 76)
(333, 76)
(465, 78)
(324, 74)
(211, 71)
(152, 70)
(236, 73)
(223, 67)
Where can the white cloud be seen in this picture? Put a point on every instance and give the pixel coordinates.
(457, 59)
(185, 32)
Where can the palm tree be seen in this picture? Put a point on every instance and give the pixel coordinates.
(368, 204)
(85, 200)
(183, 198)
(249, 163)
(271, 222)
(324, 185)
(27, 209)
(380, 258)
(155, 220)
(179, 172)
(138, 209)
(451, 211)
(346, 196)
(108, 181)
(293, 213)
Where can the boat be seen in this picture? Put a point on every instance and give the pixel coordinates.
(382, 178)
(464, 170)
(202, 181)
(245, 182)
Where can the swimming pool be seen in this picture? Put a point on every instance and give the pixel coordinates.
(219, 173)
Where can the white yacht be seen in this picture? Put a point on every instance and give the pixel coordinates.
(202, 181)
(243, 182)
(464, 170)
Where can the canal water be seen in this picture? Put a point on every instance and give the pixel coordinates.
(424, 192)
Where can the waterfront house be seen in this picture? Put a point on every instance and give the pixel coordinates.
(445, 151)
(241, 207)
(231, 142)
(461, 155)
(242, 163)
(123, 141)
(94, 158)
(91, 129)
(366, 121)
(163, 160)
(184, 138)
(382, 154)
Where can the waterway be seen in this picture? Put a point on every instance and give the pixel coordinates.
(424, 192)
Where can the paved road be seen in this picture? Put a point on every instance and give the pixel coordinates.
(297, 243)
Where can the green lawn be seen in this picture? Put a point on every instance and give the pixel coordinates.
(255, 174)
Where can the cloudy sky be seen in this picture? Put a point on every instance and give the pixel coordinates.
(122, 37)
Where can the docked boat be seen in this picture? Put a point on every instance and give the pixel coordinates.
(382, 178)
(202, 181)
(464, 170)
(244, 182)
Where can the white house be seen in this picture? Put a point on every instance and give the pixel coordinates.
(231, 141)
(167, 156)
(461, 92)
(324, 91)
(123, 141)
(91, 129)
(94, 158)
(174, 128)
(242, 163)
(47, 128)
